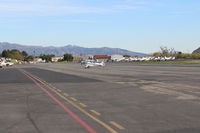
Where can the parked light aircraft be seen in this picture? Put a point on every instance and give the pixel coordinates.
(89, 64)
(83, 62)
(5, 63)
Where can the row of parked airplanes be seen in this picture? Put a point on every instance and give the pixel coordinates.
(165, 58)
(91, 63)
(5, 63)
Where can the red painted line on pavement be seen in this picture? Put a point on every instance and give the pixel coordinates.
(84, 124)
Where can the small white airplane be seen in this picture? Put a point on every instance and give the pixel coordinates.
(6, 63)
(92, 64)
(83, 62)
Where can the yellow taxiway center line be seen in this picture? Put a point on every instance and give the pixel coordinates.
(59, 90)
(83, 105)
(74, 99)
(88, 114)
(46, 84)
(117, 125)
(79, 108)
(65, 94)
(95, 112)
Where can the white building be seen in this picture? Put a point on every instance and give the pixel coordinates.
(39, 60)
(56, 58)
(117, 58)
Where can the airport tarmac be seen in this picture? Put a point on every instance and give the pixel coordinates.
(117, 98)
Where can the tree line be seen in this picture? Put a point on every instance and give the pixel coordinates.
(164, 51)
(16, 54)
(23, 56)
(48, 58)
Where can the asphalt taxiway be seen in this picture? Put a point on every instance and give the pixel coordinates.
(119, 98)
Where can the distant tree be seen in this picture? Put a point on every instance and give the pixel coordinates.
(48, 58)
(24, 53)
(126, 56)
(16, 54)
(13, 54)
(5, 53)
(29, 58)
(68, 57)
(52, 55)
(179, 53)
(166, 51)
(157, 54)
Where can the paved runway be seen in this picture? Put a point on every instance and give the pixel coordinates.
(114, 99)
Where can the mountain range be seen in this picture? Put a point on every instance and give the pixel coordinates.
(196, 51)
(72, 49)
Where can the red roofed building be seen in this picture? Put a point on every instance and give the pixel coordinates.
(101, 58)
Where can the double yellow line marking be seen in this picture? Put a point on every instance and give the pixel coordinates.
(86, 113)
(66, 94)
(74, 99)
(117, 125)
(54, 89)
(59, 90)
(95, 112)
(83, 105)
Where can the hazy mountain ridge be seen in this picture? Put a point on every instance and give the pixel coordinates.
(196, 51)
(75, 50)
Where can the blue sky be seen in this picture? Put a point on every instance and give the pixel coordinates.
(137, 25)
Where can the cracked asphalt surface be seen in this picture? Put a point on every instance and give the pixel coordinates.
(139, 98)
